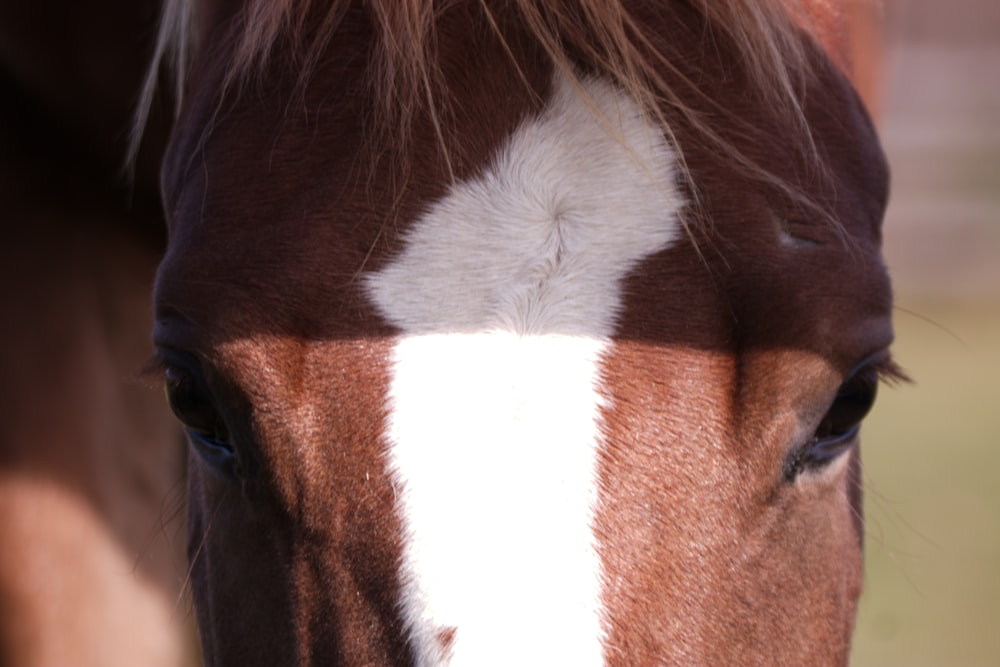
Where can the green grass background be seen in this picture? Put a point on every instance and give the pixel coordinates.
(932, 465)
(931, 450)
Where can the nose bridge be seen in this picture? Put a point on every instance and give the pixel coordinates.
(494, 391)
(348, 537)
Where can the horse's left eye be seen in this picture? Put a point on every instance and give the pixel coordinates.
(839, 427)
(192, 405)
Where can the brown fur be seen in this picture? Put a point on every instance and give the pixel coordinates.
(91, 547)
(330, 585)
(721, 355)
(605, 36)
(765, 573)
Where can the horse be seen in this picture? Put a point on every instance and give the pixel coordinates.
(89, 458)
(521, 332)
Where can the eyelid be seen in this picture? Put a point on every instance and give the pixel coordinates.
(886, 370)
(166, 358)
(174, 358)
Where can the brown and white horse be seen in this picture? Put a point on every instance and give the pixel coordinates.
(521, 333)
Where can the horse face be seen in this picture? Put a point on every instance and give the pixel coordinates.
(504, 407)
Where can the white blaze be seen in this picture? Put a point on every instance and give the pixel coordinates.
(507, 292)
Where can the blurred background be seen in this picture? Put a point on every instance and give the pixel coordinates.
(932, 449)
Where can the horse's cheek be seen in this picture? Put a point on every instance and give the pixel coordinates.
(231, 589)
(826, 579)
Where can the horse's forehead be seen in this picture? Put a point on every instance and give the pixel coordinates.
(311, 250)
(318, 219)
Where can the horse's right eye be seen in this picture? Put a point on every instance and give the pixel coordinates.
(838, 431)
(191, 403)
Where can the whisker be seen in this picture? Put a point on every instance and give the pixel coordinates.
(193, 559)
(901, 558)
(934, 323)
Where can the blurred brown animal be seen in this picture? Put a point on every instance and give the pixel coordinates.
(91, 466)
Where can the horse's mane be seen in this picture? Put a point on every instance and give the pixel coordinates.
(766, 34)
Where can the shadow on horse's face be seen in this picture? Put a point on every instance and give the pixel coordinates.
(505, 407)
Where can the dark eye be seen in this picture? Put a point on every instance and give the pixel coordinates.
(191, 403)
(839, 427)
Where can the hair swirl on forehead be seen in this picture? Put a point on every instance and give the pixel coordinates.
(767, 35)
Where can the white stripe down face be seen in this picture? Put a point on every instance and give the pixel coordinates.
(507, 292)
